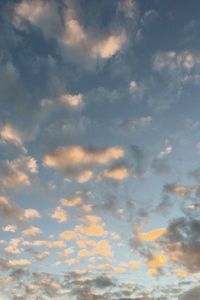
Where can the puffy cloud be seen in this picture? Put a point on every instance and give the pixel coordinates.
(108, 46)
(117, 173)
(9, 228)
(59, 214)
(32, 231)
(68, 235)
(83, 253)
(75, 158)
(156, 261)
(31, 213)
(93, 219)
(12, 247)
(102, 248)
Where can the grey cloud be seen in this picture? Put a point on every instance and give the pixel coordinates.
(192, 294)
(182, 243)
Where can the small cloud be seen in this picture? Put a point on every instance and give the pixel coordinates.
(132, 125)
(31, 213)
(71, 100)
(127, 7)
(9, 228)
(168, 149)
(32, 231)
(84, 176)
(133, 87)
(71, 202)
(59, 214)
(151, 235)
(117, 173)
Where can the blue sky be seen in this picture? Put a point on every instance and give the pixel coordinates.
(99, 150)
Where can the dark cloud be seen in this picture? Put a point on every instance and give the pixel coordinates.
(182, 243)
(192, 294)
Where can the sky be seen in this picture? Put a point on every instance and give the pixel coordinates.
(99, 150)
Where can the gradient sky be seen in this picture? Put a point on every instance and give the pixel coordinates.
(99, 150)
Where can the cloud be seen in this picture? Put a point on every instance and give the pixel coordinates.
(66, 252)
(76, 158)
(182, 244)
(192, 294)
(59, 214)
(31, 213)
(71, 100)
(9, 134)
(41, 255)
(173, 61)
(12, 247)
(69, 32)
(19, 262)
(177, 189)
(10, 211)
(31, 231)
(133, 86)
(17, 172)
(165, 152)
(68, 235)
(84, 176)
(156, 261)
(151, 235)
(70, 202)
(116, 173)
(128, 7)
(9, 228)
(135, 124)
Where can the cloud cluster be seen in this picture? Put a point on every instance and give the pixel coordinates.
(69, 32)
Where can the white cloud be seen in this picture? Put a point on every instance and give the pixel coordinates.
(168, 149)
(9, 228)
(133, 87)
